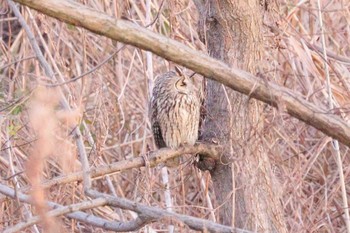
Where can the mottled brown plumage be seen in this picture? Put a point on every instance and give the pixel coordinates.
(174, 111)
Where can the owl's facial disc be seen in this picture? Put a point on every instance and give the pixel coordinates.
(182, 85)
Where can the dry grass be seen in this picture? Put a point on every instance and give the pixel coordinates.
(110, 107)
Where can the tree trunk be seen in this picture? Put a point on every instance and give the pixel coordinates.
(232, 30)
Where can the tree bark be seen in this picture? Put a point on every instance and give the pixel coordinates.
(232, 30)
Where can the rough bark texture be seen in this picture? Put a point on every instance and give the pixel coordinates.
(232, 30)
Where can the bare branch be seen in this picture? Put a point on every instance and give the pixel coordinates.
(58, 212)
(146, 213)
(154, 158)
(127, 32)
(78, 215)
(156, 213)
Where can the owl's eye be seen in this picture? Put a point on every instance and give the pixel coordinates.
(181, 83)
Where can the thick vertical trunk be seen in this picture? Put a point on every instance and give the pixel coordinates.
(232, 30)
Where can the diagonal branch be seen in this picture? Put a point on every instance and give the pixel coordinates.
(153, 158)
(127, 32)
(78, 215)
(146, 213)
(58, 212)
(154, 213)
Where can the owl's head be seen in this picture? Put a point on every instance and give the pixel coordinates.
(183, 84)
(176, 83)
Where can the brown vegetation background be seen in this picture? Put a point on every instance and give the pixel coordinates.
(109, 105)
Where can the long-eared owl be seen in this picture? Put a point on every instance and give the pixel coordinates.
(174, 111)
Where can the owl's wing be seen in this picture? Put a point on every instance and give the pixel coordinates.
(156, 130)
(202, 111)
(157, 134)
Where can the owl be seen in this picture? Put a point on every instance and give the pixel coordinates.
(174, 112)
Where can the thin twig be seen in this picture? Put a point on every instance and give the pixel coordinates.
(17, 61)
(78, 215)
(89, 71)
(157, 16)
(167, 194)
(58, 212)
(209, 202)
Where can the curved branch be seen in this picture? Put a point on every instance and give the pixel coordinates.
(58, 212)
(155, 213)
(152, 159)
(127, 32)
(146, 214)
(78, 215)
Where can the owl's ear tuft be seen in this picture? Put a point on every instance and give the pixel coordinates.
(178, 71)
(194, 73)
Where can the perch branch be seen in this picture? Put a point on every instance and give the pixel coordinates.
(154, 158)
(127, 32)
